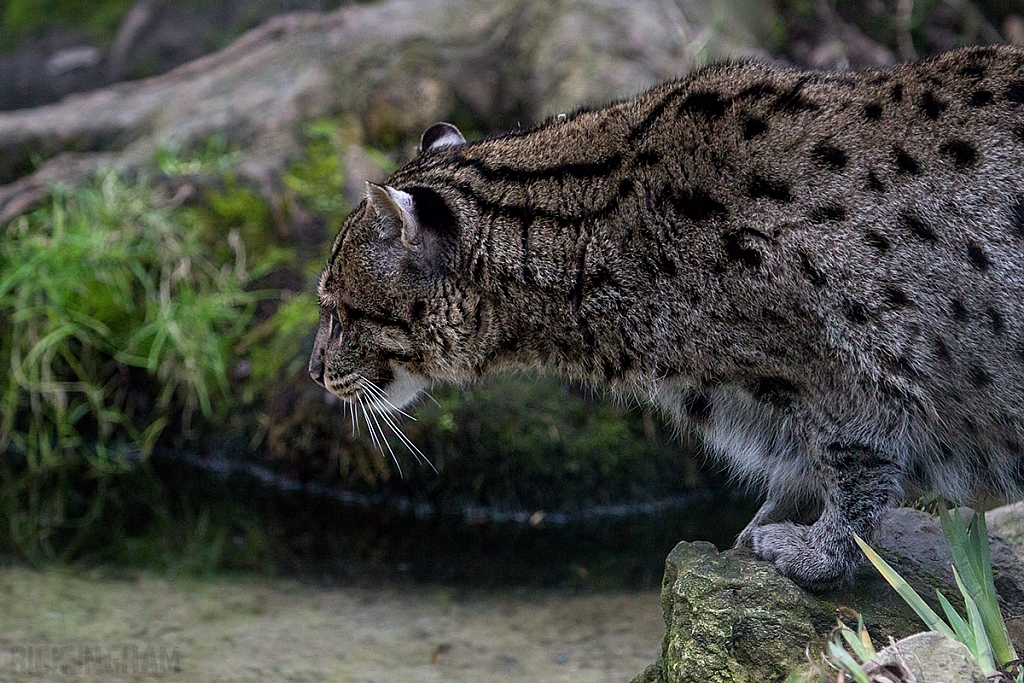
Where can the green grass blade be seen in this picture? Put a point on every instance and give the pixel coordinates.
(978, 536)
(909, 595)
(48, 342)
(855, 644)
(995, 626)
(955, 531)
(844, 659)
(865, 638)
(973, 564)
(963, 631)
(982, 647)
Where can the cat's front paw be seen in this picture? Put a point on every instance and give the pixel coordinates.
(781, 541)
(813, 563)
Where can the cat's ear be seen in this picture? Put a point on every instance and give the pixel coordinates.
(398, 211)
(441, 135)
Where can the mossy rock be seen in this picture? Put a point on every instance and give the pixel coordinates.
(732, 618)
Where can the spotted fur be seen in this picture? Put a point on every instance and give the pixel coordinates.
(822, 273)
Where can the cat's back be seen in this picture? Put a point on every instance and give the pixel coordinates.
(867, 233)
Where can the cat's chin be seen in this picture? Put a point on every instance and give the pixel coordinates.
(404, 389)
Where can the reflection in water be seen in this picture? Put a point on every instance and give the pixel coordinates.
(378, 536)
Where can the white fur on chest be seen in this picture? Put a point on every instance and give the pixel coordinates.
(757, 445)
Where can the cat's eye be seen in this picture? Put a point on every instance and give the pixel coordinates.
(334, 326)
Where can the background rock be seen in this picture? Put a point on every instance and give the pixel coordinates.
(732, 618)
(153, 37)
(398, 66)
(931, 656)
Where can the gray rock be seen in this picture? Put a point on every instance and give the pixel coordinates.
(731, 617)
(154, 36)
(72, 59)
(930, 656)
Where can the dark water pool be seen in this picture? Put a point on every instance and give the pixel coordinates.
(368, 537)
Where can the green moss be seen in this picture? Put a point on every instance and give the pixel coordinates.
(275, 347)
(232, 213)
(236, 206)
(211, 156)
(228, 206)
(100, 18)
(317, 179)
(733, 619)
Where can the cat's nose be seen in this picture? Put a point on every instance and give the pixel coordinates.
(329, 331)
(316, 366)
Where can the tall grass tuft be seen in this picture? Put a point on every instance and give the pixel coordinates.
(983, 631)
(116, 325)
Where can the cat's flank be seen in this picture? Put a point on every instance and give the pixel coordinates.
(822, 273)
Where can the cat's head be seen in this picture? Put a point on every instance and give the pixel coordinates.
(394, 311)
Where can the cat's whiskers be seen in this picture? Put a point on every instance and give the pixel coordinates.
(382, 396)
(380, 410)
(353, 416)
(430, 396)
(376, 408)
(369, 427)
(372, 426)
(382, 438)
(349, 411)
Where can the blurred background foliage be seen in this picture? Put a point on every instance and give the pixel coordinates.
(157, 413)
(148, 327)
(100, 18)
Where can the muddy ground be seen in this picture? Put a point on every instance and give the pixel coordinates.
(66, 626)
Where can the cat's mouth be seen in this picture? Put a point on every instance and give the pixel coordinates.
(380, 406)
(399, 392)
(346, 387)
(376, 403)
(385, 382)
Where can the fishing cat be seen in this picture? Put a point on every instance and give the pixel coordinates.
(820, 272)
